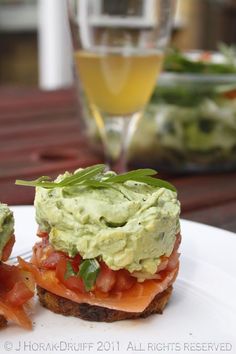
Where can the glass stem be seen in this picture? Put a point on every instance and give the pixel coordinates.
(117, 135)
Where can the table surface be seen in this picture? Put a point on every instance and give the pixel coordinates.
(41, 135)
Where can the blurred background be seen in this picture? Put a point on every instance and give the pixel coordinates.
(199, 24)
(188, 132)
(189, 124)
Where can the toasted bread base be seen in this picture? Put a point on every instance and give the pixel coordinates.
(3, 322)
(88, 312)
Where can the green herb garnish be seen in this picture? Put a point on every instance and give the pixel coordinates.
(88, 271)
(69, 271)
(96, 177)
(79, 177)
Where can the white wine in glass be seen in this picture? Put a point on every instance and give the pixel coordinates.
(118, 52)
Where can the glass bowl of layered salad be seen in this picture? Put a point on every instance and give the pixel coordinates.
(189, 124)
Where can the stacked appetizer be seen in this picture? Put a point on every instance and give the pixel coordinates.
(16, 287)
(108, 246)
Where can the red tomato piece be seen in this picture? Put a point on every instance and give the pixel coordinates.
(106, 278)
(73, 282)
(37, 253)
(75, 262)
(8, 248)
(41, 252)
(51, 261)
(42, 234)
(124, 280)
(9, 275)
(19, 294)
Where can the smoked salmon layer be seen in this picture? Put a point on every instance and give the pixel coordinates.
(16, 289)
(107, 296)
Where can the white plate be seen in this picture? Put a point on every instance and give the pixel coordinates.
(201, 316)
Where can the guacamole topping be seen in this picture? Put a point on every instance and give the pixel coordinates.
(6, 226)
(129, 225)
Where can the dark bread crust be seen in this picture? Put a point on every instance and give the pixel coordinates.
(3, 322)
(88, 312)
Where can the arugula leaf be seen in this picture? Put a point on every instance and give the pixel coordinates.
(69, 270)
(88, 271)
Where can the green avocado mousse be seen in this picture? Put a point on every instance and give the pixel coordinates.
(105, 239)
(6, 230)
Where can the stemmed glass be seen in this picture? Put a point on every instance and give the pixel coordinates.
(118, 53)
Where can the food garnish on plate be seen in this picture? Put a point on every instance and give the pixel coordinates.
(16, 286)
(109, 243)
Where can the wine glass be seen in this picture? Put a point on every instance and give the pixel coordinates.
(118, 53)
